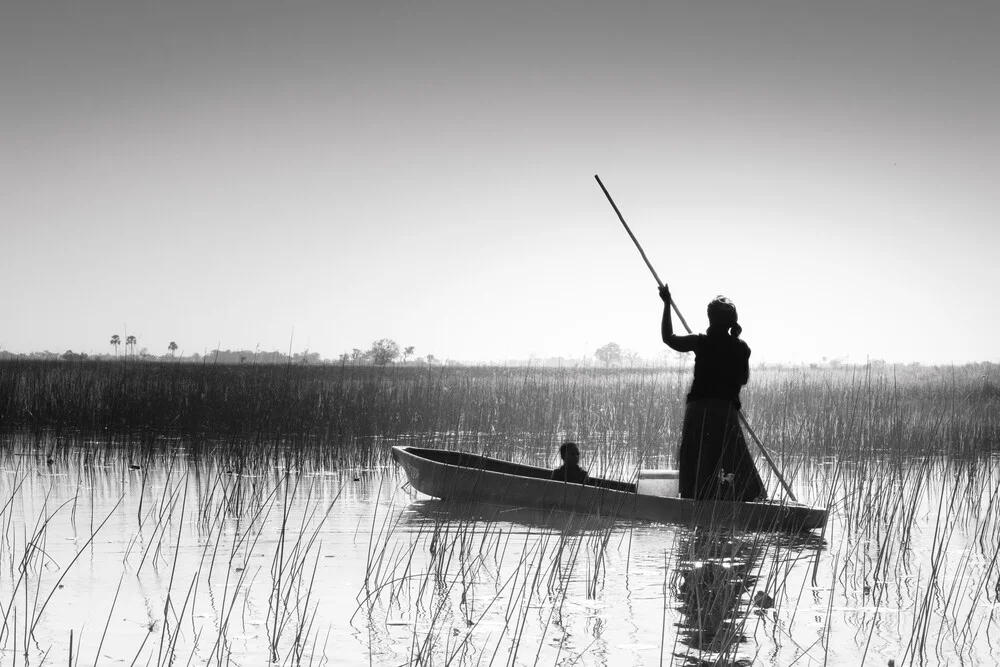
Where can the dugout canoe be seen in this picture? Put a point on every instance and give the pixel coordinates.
(471, 478)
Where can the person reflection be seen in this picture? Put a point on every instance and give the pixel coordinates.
(713, 576)
(723, 582)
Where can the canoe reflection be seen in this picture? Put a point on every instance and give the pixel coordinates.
(432, 511)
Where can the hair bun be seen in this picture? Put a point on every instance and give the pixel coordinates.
(722, 311)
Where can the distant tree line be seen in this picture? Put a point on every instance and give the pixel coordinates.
(382, 352)
(613, 354)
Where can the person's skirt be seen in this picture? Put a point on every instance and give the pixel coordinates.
(715, 462)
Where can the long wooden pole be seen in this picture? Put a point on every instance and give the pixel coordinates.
(659, 282)
(627, 229)
(767, 456)
(641, 251)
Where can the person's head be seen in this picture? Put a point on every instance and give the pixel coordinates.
(570, 453)
(722, 315)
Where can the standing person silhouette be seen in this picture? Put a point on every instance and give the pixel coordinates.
(715, 462)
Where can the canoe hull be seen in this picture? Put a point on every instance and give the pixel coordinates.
(464, 477)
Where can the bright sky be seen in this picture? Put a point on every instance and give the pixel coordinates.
(311, 175)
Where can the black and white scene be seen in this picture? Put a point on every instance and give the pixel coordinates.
(371, 332)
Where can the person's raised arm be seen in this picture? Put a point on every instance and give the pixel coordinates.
(675, 342)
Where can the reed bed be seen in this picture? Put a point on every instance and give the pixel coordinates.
(224, 478)
(861, 413)
(200, 554)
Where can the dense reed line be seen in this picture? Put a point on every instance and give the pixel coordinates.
(874, 411)
(312, 401)
(860, 413)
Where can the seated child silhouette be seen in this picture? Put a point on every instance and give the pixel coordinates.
(570, 470)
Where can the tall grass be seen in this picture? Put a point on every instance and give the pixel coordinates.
(198, 592)
(903, 457)
(860, 413)
(303, 403)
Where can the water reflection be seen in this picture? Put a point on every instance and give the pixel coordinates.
(394, 578)
(720, 585)
(434, 511)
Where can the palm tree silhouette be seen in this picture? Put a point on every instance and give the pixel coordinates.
(115, 342)
(130, 342)
(172, 347)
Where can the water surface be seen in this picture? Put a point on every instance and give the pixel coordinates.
(182, 558)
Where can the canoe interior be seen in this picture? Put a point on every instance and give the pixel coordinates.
(476, 462)
(464, 477)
